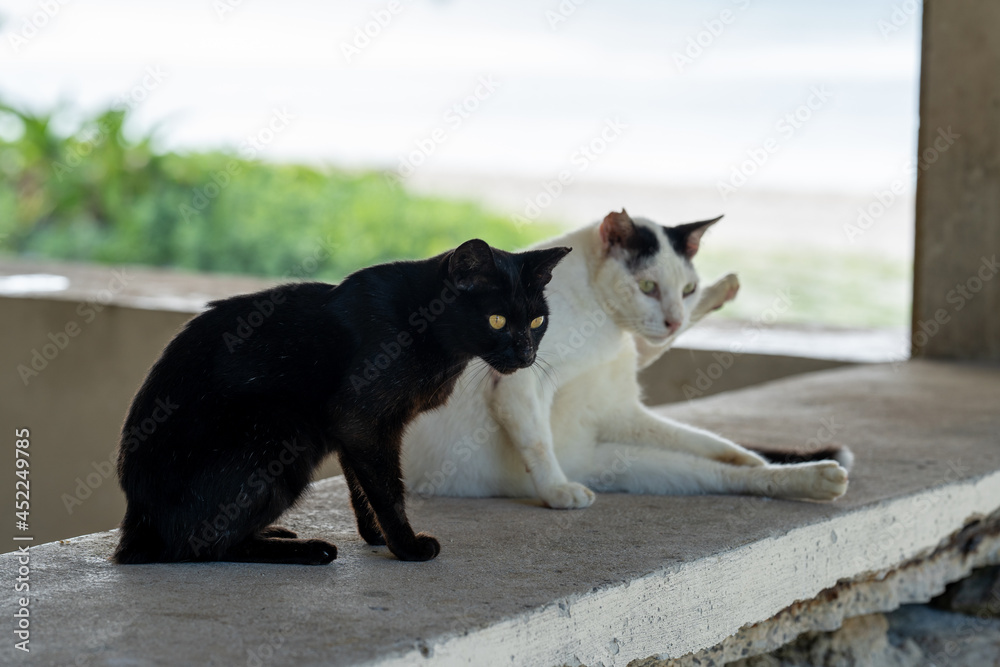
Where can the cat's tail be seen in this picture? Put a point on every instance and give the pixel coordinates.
(839, 453)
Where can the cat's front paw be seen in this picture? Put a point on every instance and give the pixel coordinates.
(424, 547)
(829, 481)
(570, 495)
(731, 283)
(720, 292)
(715, 296)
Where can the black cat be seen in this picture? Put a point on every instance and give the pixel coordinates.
(246, 401)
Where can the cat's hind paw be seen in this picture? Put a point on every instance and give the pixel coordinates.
(570, 495)
(829, 481)
(317, 552)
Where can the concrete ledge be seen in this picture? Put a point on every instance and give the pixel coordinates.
(631, 578)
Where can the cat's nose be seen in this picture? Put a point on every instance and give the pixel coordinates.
(672, 327)
(525, 356)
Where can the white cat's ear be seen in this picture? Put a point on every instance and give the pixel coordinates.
(617, 229)
(472, 264)
(687, 238)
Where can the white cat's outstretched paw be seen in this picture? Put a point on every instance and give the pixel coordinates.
(715, 296)
(730, 285)
(720, 292)
(568, 496)
(829, 481)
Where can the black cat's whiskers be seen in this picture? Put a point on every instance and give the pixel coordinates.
(546, 367)
(491, 374)
(480, 367)
(547, 370)
(478, 375)
(448, 382)
(468, 378)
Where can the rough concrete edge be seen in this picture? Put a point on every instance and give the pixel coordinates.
(916, 581)
(80, 541)
(172, 304)
(623, 623)
(186, 300)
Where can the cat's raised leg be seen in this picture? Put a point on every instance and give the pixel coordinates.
(639, 426)
(633, 469)
(367, 523)
(523, 410)
(714, 297)
(711, 299)
(280, 550)
(380, 477)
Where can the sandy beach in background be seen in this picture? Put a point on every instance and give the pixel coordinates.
(754, 219)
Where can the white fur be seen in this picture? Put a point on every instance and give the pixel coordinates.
(575, 421)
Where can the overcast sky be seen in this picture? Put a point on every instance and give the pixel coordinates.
(555, 79)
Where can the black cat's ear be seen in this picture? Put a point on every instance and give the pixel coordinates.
(687, 238)
(617, 229)
(538, 264)
(472, 265)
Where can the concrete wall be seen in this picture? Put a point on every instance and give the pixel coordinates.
(683, 374)
(956, 301)
(75, 405)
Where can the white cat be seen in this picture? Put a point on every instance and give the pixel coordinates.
(575, 421)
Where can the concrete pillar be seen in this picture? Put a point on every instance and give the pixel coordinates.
(956, 295)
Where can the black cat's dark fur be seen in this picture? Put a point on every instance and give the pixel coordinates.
(247, 400)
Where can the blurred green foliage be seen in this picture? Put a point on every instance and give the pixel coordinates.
(95, 196)
(811, 286)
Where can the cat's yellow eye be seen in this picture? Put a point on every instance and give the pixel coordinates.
(689, 289)
(647, 286)
(537, 322)
(497, 321)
